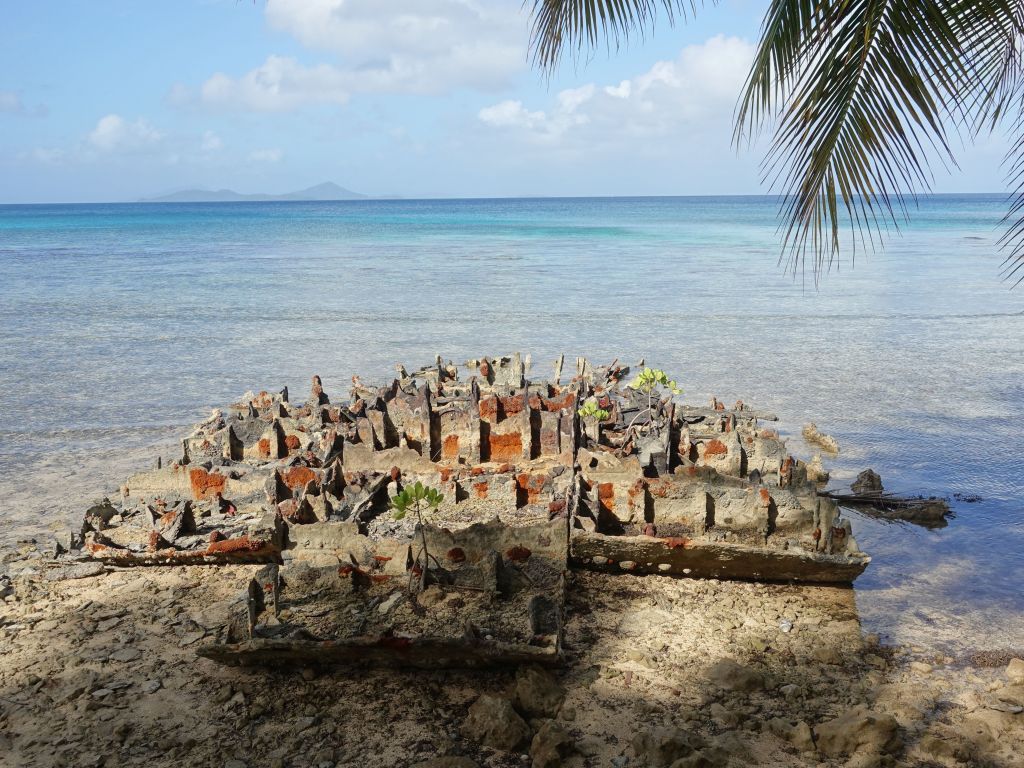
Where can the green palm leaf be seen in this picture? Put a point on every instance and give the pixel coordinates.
(863, 96)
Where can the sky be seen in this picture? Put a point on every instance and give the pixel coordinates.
(121, 100)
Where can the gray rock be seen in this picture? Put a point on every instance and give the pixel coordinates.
(151, 686)
(551, 743)
(537, 693)
(74, 571)
(1015, 671)
(709, 757)
(235, 764)
(493, 722)
(724, 716)
(125, 654)
(662, 747)
(945, 746)
(867, 483)
(451, 761)
(734, 676)
(858, 729)
(798, 734)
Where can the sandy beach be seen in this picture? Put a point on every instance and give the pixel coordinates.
(101, 671)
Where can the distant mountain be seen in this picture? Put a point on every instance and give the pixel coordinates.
(326, 191)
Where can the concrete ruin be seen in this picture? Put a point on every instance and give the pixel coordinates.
(537, 476)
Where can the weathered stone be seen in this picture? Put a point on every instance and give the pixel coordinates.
(733, 676)
(798, 734)
(537, 692)
(493, 722)
(448, 761)
(661, 747)
(867, 483)
(858, 729)
(1015, 671)
(550, 745)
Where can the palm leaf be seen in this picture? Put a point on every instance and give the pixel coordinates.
(863, 96)
(560, 25)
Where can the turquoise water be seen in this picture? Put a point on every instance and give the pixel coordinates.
(121, 324)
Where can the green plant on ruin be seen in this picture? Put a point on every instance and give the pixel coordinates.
(653, 383)
(417, 498)
(591, 410)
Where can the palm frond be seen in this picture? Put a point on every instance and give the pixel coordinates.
(561, 25)
(863, 97)
(863, 94)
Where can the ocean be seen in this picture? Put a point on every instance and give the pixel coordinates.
(122, 324)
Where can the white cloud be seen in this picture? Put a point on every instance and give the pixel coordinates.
(11, 103)
(413, 45)
(211, 142)
(265, 156)
(694, 91)
(511, 114)
(279, 84)
(401, 46)
(114, 133)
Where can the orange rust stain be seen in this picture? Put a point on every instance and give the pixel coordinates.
(715, 448)
(556, 506)
(489, 408)
(263, 448)
(560, 403)
(291, 442)
(298, 477)
(240, 544)
(506, 447)
(216, 536)
(206, 485)
(450, 447)
(262, 400)
(512, 405)
(532, 485)
(676, 542)
(480, 489)
(503, 468)
(154, 541)
(606, 496)
(768, 434)
(476, 471)
(518, 553)
(766, 497)
(446, 473)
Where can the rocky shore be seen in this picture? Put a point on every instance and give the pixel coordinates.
(101, 670)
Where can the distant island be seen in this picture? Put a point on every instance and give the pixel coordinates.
(326, 191)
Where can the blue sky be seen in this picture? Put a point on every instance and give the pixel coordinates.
(118, 100)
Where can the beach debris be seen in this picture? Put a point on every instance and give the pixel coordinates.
(868, 482)
(813, 436)
(518, 479)
(870, 497)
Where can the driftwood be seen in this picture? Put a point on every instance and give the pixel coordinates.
(929, 512)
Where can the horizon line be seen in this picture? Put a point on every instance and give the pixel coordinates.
(400, 199)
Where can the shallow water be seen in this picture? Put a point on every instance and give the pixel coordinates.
(122, 324)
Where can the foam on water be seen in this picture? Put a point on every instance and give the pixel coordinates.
(121, 324)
